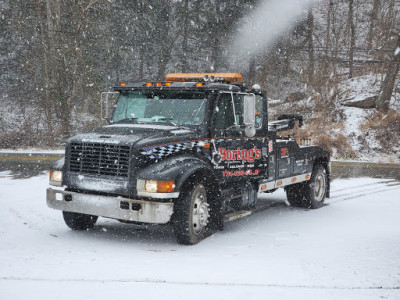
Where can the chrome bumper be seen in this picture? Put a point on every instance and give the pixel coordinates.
(110, 207)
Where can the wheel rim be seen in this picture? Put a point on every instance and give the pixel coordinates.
(200, 212)
(319, 187)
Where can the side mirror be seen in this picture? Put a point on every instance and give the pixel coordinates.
(107, 103)
(249, 117)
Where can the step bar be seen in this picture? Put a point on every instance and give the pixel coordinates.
(272, 185)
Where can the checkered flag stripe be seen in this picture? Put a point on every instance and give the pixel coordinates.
(162, 151)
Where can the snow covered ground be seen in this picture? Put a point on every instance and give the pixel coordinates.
(349, 249)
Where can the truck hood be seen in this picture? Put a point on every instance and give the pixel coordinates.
(140, 135)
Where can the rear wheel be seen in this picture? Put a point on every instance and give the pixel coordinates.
(192, 215)
(78, 221)
(310, 194)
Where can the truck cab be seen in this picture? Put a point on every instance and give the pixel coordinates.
(191, 151)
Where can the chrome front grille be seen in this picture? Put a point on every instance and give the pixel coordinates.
(99, 159)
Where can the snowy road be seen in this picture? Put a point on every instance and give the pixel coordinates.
(349, 249)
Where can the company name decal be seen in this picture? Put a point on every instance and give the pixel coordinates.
(239, 154)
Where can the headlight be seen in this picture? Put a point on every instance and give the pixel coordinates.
(150, 186)
(56, 177)
(156, 186)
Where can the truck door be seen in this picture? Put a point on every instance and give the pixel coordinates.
(235, 156)
(285, 161)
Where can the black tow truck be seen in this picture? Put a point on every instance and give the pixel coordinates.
(191, 151)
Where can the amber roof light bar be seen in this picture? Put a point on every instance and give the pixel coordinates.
(225, 77)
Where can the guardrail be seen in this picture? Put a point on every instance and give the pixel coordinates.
(15, 156)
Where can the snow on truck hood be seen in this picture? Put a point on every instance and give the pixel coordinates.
(146, 126)
(130, 133)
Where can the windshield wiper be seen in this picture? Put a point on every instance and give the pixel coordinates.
(165, 120)
(127, 120)
(169, 121)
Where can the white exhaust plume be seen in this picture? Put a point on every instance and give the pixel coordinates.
(269, 21)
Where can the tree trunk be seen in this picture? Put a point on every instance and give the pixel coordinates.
(141, 12)
(373, 17)
(47, 103)
(352, 37)
(185, 15)
(328, 27)
(164, 37)
(388, 83)
(335, 42)
(310, 32)
(215, 51)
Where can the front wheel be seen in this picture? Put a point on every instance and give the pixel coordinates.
(78, 221)
(192, 215)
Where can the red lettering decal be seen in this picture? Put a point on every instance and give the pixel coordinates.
(234, 153)
(251, 156)
(243, 155)
(240, 173)
(284, 152)
(222, 152)
(238, 154)
(258, 153)
(229, 155)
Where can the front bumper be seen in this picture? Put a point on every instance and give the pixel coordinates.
(111, 207)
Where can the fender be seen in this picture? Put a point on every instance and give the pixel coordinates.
(178, 169)
(59, 165)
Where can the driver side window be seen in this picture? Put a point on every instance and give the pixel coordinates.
(224, 114)
(230, 111)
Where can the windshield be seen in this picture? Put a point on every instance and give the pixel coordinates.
(175, 108)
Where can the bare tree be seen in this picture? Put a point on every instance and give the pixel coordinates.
(383, 101)
(372, 22)
(310, 32)
(352, 37)
(185, 36)
(328, 27)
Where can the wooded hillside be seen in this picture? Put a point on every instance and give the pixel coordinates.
(57, 56)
